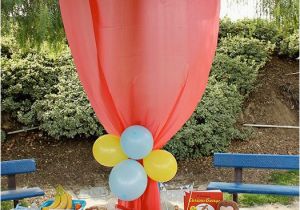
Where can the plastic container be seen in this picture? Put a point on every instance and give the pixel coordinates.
(19, 207)
(74, 202)
(31, 207)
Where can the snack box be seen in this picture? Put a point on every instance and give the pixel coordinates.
(202, 200)
(74, 202)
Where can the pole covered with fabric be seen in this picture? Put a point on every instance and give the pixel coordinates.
(142, 62)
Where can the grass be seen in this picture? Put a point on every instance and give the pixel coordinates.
(278, 178)
(7, 205)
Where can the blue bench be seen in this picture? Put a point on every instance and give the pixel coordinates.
(260, 161)
(10, 169)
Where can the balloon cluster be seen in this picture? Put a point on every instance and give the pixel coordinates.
(128, 178)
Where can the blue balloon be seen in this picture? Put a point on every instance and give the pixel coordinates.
(128, 180)
(136, 142)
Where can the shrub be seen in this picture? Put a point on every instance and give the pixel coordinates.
(37, 89)
(252, 51)
(7, 47)
(46, 91)
(234, 72)
(25, 80)
(67, 112)
(289, 46)
(211, 126)
(251, 28)
(286, 42)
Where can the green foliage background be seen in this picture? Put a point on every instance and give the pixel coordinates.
(40, 88)
(34, 22)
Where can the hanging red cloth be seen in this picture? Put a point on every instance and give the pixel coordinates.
(142, 62)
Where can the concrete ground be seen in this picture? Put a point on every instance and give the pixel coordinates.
(100, 196)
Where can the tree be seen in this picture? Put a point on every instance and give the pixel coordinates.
(34, 22)
(284, 12)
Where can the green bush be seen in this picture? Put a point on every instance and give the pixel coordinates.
(290, 45)
(43, 90)
(38, 90)
(7, 46)
(252, 51)
(286, 42)
(67, 112)
(26, 79)
(234, 71)
(251, 28)
(211, 126)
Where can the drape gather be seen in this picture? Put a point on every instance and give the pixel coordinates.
(142, 62)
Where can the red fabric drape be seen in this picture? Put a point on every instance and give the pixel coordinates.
(142, 62)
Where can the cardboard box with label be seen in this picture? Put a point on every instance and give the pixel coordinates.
(202, 200)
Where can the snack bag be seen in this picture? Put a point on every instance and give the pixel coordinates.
(202, 200)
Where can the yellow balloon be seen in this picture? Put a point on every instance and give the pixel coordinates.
(107, 150)
(160, 165)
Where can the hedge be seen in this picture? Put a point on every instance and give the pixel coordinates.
(26, 79)
(250, 50)
(286, 42)
(38, 90)
(67, 112)
(234, 71)
(211, 126)
(251, 28)
(41, 90)
(290, 45)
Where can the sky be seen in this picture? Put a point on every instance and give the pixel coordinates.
(238, 11)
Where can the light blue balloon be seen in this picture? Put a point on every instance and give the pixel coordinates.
(128, 180)
(136, 142)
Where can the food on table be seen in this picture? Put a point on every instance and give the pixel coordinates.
(55, 203)
(69, 205)
(77, 206)
(62, 200)
(96, 208)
